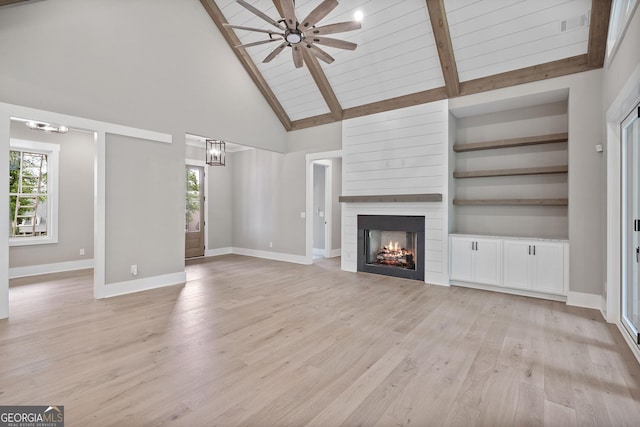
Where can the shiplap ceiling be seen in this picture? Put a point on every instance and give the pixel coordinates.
(416, 51)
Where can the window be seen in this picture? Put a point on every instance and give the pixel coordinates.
(33, 193)
(621, 12)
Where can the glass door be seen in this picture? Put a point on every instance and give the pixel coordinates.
(194, 220)
(631, 223)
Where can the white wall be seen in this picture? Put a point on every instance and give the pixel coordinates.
(268, 196)
(398, 152)
(75, 204)
(144, 208)
(151, 64)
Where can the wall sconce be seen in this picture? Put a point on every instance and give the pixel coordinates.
(215, 152)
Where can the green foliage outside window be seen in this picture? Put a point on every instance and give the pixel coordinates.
(192, 179)
(28, 194)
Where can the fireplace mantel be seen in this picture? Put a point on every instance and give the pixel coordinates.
(393, 198)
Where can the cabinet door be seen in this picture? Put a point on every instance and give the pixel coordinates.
(548, 267)
(488, 261)
(516, 264)
(462, 258)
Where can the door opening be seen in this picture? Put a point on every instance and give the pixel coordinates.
(322, 205)
(194, 212)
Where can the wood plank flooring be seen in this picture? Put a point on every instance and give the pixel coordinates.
(262, 343)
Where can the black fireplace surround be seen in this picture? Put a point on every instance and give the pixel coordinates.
(411, 264)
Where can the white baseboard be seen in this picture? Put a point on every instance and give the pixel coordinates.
(145, 284)
(34, 270)
(579, 299)
(335, 253)
(436, 279)
(318, 252)
(218, 251)
(277, 256)
(520, 292)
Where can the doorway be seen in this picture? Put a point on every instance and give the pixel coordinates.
(630, 226)
(322, 209)
(194, 212)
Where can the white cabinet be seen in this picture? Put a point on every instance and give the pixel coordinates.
(535, 265)
(476, 259)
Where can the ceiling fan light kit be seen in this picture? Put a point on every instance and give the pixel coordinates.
(295, 33)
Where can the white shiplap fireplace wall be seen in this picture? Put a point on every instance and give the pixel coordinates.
(398, 152)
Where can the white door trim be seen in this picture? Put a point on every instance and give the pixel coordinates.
(310, 158)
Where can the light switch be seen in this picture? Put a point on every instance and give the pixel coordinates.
(303, 214)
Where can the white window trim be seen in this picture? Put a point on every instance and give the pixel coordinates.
(53, 158)
(615, 39)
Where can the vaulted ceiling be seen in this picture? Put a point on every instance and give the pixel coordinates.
(415, 51)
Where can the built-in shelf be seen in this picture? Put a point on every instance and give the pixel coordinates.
(511, 202)
(513, 142)
(512, 172)
(398, 198)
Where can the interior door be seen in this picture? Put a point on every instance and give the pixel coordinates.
(630, 223)
(194, 212)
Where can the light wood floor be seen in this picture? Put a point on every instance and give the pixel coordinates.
(263, 343)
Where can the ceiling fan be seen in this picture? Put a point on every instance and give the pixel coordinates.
(300, 34)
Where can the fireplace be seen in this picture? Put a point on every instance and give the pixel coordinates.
(391, 245)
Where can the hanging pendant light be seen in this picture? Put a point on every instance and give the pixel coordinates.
(215, 152)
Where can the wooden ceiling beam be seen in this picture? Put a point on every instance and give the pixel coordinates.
(396, 103)
(562, 67)
(375, 107)
(440, 27)
(310, 122)
(598, 30)
(8, 2)
(233, 40)
(323, 84)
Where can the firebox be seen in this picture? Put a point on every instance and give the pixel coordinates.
(392, 245)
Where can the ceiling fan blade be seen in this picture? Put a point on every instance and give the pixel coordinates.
(318, 13)
(275, 52)
(259, 13)
(335, 28)
(297, 56)
(326, 41)
(258, 30)
(289, 10)
(321, 54)
(258, 43)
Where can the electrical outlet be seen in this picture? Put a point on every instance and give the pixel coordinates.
(270, 244)
(134, 269)
(82, 251)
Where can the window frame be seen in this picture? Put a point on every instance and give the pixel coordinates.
(619, 20)
(53, 169)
